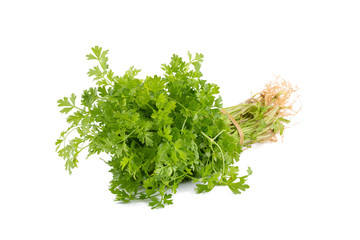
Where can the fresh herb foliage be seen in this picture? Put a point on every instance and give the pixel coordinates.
(159, 131)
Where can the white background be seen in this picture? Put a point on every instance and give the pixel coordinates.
(306, 187)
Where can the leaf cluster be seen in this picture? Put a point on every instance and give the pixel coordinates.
(158, 131)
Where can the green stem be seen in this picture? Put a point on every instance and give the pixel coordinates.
(222, 153)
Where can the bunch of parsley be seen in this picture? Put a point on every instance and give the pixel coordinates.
(158, 131)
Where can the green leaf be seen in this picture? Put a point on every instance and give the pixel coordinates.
(201, 188)
(132, 72)
(64, 102)
(97, 51)
(90, 57)
(124, 162)
(189, 55)
(249, 171)
(165, 133)
(95, 72)
(145, 137)
(167, 199)
(73, 98)
(66, 110)
(67, 106)
(75, 118)
(103, 60)
(161, 100)
(234, 188)
(155, 203)
(196, 65)
(218, 102)
(154, 83)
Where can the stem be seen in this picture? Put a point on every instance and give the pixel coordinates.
(222, 153)
(218, 134)
(186, 109)
(67, 134)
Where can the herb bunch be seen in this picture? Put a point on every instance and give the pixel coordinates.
(158, 131)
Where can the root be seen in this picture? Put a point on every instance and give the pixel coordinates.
(261, 117)
(280, 94)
